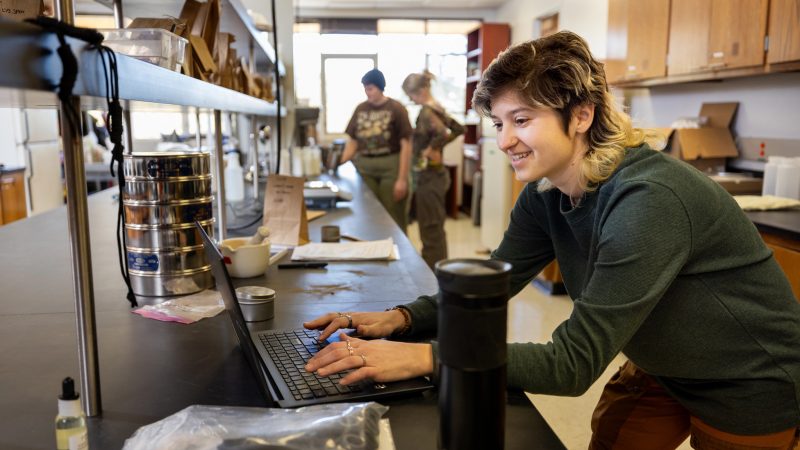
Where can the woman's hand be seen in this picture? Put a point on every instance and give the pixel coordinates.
(378, 360)
(368, 324)
(432, 155)
(400, 189)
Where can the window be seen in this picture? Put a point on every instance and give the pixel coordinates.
(402, 47)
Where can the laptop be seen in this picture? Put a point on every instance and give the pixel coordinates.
(278, 357)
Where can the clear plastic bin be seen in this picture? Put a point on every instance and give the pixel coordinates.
(153, 45)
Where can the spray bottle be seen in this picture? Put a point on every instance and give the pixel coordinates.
(71, 431)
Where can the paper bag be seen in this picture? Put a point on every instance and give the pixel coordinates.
(285, 210)
(21, 9)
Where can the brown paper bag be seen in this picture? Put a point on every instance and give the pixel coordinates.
(285, 210)
(21, 9)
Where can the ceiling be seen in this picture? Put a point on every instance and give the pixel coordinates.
(398, 4)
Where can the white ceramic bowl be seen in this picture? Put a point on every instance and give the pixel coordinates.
(245, 260)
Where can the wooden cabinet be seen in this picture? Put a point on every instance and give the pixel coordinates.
(12, 197)
(711, 35)
(738, 29)
(784, 31)
(787, 253)
(648, 31)
(483, 45)
(688, 36)
(638, 34)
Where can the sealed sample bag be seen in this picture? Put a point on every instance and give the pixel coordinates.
(341, 426)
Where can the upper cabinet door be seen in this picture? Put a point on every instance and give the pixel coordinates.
(617, 43)
(690, 23)
(784, 31)
(738, 28)
(648, 31)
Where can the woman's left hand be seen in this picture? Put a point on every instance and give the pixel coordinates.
(378, 360)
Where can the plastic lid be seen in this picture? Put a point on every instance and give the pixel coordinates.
(254, 293)
(68, 390)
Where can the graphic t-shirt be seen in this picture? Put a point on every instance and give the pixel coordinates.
(379, 129)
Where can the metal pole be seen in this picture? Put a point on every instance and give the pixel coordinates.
(197, 137)
(277, 87)
(80, 249)
(221, 206)
(254, 151)
(119, 20)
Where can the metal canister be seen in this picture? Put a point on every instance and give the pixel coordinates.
(164, 194)
(256, 302)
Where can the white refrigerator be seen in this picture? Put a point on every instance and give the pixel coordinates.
(39, 147)
(496, 177)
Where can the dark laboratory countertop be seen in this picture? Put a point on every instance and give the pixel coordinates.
(151, 369)
(10, 169)
(786, 222)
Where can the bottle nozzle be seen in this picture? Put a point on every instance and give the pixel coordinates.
(68, 390)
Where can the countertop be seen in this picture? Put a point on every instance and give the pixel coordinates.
(151, 369)
(10, 169)
(785, 222)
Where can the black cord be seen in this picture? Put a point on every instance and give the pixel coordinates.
(115, 128)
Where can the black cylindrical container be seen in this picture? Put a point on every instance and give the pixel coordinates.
(473, 297)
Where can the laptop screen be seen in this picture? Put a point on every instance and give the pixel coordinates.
(226, 289)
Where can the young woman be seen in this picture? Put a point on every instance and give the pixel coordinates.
(661, 263)
(434, 129)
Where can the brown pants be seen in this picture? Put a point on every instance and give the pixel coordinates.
(636, 413)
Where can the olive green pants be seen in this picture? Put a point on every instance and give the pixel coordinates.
(430, 189)
(380, 174)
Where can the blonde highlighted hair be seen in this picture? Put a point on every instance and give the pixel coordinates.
(559, 72)
(417, 81)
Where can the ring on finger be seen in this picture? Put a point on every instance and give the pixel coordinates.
(349, 348)
(363, 359)
(349, 320)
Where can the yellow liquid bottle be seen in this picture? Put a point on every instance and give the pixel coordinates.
(71, 433)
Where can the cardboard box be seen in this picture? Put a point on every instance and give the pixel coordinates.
(707, 147)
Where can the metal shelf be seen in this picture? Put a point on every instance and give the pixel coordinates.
(234, 20)
(39, 68)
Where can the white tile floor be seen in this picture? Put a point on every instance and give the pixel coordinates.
(533, 315)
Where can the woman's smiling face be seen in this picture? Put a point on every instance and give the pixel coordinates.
(535, 142)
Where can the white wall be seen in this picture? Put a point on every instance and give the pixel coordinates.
(767, 104)
(588, 18)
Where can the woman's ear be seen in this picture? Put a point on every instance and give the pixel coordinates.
(583, 116)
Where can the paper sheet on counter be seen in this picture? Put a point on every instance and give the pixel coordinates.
(382, 250)
(765, 202)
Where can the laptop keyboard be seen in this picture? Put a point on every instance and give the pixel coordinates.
(290, 350)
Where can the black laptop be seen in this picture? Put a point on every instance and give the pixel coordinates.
(278, 357)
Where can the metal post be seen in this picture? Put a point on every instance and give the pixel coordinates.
(254, 151)
(221, 205)
(78, 221)
(119, 20)
(197, 137)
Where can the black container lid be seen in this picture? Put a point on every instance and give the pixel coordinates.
(473, 277)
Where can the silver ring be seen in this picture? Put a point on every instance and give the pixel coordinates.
(349, 320)
(364, 359)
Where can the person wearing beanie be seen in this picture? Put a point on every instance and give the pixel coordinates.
(380, 146)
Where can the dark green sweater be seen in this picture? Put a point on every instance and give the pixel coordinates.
(663, 266)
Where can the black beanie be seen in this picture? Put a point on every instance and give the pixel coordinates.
(374, 77)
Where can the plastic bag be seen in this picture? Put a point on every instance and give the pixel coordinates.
(337, 426)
